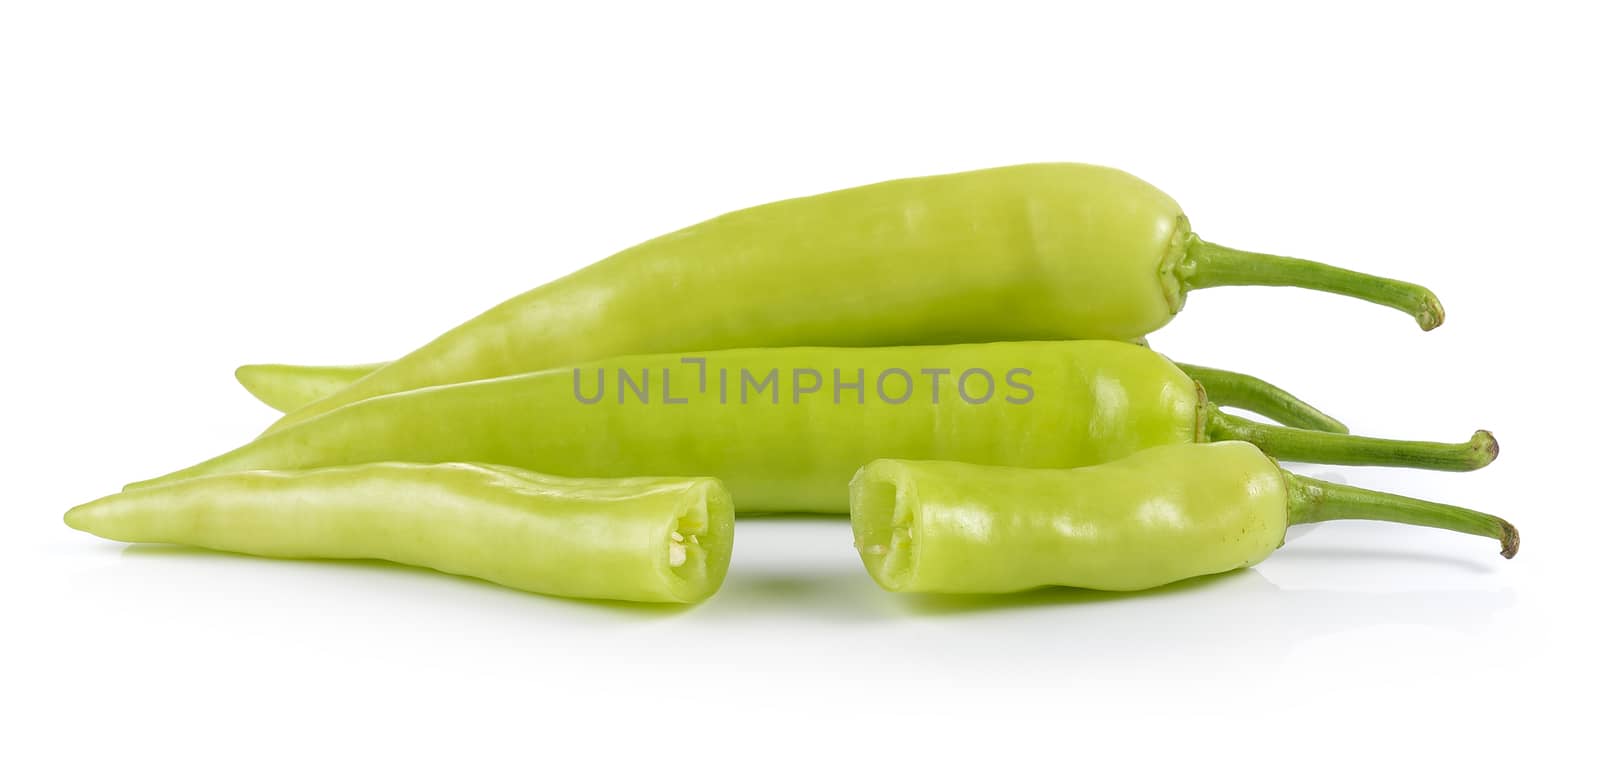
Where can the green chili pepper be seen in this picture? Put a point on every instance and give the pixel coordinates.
(287, 387)
(1039, 251)
(785, 428)
(1155, 517)
(637, 539)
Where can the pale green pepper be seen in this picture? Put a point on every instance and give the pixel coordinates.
(286, 387)
(786, 428)
(1156, 517)
(1036, 251)
(647, 539)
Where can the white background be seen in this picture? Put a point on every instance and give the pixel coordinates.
(189, 186)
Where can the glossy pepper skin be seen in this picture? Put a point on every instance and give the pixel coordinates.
(1086, 402)
(1037, 251)
(286, 387)
(1158, 516)
(644, 539)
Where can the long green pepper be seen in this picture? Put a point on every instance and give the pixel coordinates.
(645, 539)
(786, 428)
(1037, 251)
(1156, 517)
(286, 387)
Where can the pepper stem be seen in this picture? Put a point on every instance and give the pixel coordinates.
(1351, 450)
(1206, 265)
(1312, 500)
(1238, 390)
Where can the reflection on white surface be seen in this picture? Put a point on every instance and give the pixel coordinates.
(787, 570)
(797, 585)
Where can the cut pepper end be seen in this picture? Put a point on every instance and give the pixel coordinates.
(698, 544)
(883, 516)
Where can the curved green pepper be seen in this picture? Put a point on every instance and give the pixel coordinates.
(638, 539)
(287, 387)
(785, 428)
(1037, 251)
(1155, 517)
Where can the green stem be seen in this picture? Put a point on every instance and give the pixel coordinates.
(1351, 450)
(1207, 265)
(1258, 396)
(1313, 500)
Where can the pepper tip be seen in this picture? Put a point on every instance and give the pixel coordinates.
(77, 518)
